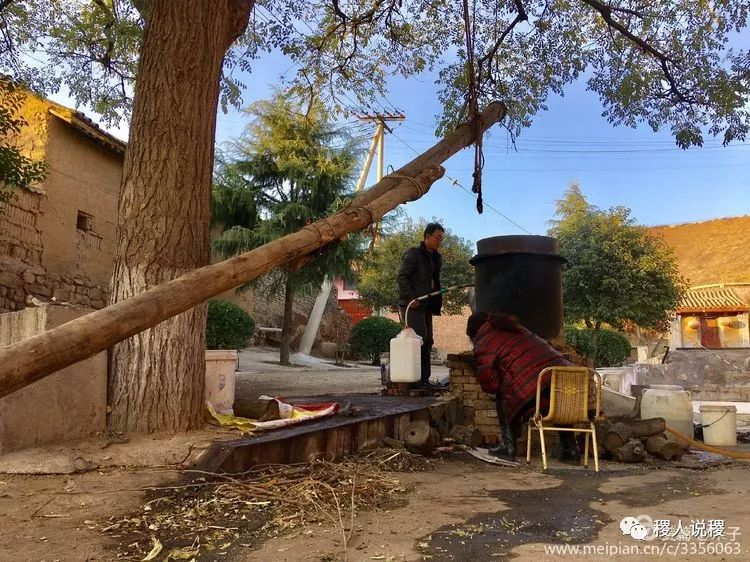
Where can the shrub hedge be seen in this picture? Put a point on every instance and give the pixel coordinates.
(612, 348)
(372, 336)
(228, 326)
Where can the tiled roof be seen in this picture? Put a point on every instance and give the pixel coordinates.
(88, 127)
(712, 299)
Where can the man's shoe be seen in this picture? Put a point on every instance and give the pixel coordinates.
(433, 385)
(502, 451)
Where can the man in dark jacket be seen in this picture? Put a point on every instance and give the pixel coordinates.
(419, 275)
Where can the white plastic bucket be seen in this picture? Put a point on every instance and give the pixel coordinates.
(719, 425)
(220, 367)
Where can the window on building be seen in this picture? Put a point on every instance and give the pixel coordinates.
(85, 222)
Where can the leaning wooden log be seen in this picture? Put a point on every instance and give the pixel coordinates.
(37, 357)
(463, 135)
(42, 355)
(632, 451)
(420, 438)
(662, 448)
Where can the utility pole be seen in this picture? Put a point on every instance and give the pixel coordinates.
(378, 141)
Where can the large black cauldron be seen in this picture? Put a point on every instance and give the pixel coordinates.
(521, 275)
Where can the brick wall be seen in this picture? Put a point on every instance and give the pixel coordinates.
(479, 407)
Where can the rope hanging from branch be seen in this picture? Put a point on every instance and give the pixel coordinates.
(473, 105)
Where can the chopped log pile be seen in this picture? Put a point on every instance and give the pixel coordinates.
(631, 440)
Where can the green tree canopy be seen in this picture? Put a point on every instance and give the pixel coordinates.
(16, 170)
(290, 169)
(377, 276)
(616, 272)
(665, 63)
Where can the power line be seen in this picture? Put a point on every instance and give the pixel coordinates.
(455, 182)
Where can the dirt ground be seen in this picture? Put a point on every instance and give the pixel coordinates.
(462, 510)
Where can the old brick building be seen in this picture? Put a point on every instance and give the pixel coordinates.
(57, 239)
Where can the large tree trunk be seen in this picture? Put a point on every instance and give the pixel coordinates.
(156, 378)
(286, 324)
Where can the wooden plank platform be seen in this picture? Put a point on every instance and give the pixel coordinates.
(370, 418)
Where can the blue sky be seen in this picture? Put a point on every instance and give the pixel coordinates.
(569, 142)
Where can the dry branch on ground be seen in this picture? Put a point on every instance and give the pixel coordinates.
(213, 512)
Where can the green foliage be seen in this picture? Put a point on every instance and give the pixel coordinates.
(666, 63)
(377, 277)
(291, 168)
(228, 326)
(611, 351)
(616, 272)
(372, 336)
(15, 169)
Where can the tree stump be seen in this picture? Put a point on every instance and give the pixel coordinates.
(632, 451)
(619, 434)
(662, 448)
(420, 438)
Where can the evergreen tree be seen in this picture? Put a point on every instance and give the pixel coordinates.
(291, 168)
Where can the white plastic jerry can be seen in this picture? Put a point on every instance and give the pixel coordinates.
(406, 362)
(674, 404)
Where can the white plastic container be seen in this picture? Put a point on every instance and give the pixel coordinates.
(719, 425)
(220, 367)
(405, 359)
(674, 404)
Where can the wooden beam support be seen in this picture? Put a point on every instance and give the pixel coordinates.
(37, 357)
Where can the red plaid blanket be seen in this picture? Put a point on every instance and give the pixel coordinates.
(509, 360)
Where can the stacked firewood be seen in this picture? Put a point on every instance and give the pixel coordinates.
(632, 440)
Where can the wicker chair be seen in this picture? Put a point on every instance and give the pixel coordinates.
(570, 393)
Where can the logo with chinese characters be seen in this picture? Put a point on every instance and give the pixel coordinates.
(644, 528)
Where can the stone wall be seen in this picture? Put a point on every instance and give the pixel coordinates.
(58, 239)
(696, 367)
(20, 282)
(267, 310)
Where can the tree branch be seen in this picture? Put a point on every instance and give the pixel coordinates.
(337, 10)
(487, 59)
(606, 13)
(628, 11)
(4, 4)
